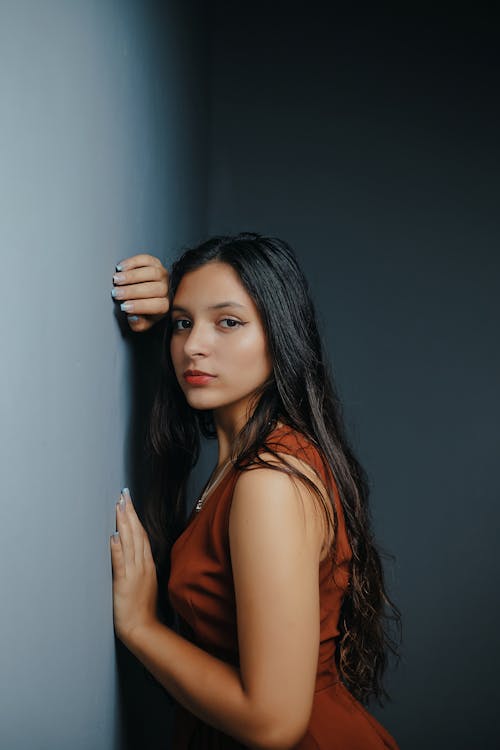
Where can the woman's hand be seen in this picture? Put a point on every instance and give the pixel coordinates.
(143, 285)
(135, 586)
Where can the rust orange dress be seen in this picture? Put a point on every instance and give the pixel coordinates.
(202, 594)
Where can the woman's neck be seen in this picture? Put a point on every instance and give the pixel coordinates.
(226, 443)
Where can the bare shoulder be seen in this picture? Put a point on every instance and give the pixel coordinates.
(266, 490)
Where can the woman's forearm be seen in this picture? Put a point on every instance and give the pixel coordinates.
(208, 687)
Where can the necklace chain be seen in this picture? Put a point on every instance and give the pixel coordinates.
(212, 485)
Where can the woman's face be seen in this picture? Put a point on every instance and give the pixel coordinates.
(216, 329)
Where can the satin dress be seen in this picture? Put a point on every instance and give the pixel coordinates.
(202, 594)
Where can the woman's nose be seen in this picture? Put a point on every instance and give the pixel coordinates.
(197, 341)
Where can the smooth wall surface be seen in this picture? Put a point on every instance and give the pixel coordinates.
(102, 153)
(368, 139)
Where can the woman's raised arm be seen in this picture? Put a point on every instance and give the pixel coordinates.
(141, 287)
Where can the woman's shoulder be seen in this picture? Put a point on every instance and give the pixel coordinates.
(287, 439)
(303, 454)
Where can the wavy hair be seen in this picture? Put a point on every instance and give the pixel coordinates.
(300, 393)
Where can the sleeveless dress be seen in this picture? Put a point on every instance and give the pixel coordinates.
(201, 593)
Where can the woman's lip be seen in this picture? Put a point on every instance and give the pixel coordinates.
(198, 379)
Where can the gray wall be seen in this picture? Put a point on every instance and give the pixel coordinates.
(103, 155)
(369, 141)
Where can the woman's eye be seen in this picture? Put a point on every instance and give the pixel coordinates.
(179, 320)
(232, 321)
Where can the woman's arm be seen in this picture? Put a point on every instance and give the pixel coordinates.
(140, 284)
(275, 539)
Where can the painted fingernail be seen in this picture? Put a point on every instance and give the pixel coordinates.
(132, 318)
(118, 277)
(127, 307)
(119, 267)
(115, 537)
(121, 504)
(116, 293)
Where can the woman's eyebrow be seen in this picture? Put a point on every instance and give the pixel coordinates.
(228, 303)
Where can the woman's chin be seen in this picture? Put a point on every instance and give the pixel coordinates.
(202, 401)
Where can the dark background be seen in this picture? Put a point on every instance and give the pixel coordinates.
(367, 137)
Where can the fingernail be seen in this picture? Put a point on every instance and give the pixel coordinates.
(119, 267)
(132, 318)
(115, 537)
(126, 495)
(117, 277)
(116, 292)
(127, 307)
(121, 504)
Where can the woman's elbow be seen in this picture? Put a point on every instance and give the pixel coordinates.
(280, 734)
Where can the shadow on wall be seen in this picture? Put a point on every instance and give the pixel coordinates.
(145, 707)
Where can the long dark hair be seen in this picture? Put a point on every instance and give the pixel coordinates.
(300, 393)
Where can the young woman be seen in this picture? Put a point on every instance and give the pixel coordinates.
(281, 635)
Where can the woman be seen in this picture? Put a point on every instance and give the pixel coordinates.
(275, 579)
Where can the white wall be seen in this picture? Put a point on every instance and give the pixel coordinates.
(102, 155)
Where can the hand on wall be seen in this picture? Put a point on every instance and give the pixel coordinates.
(141, 286)
(135, 586)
